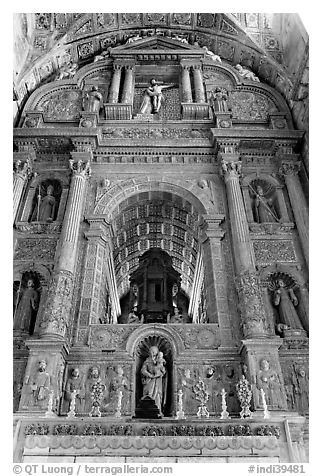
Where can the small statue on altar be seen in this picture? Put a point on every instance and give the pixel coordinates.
(246, 73)
(176, 318)
(134, 318)
(39, 385)
(268, 380)
(93, 100)
(153, 98)
(75, 385)
(218, 99)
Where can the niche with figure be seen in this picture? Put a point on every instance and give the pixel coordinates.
(26, 294)
(264, 201)
(154, 373)
(286, 301)
(46, 201)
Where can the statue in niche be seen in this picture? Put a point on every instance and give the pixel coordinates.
(263, 207)
(214, 381)
(302, 390)
(286, 301)
(154, 378)
(211, 55)
(45, 206)
(40, 385)
(93, 100)
(219, 99)
(246, 73)
(75, 383)
(268, 380)
(153, 98)
(26, 307)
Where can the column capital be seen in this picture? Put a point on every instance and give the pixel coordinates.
(210, 226)
(196, 66)
(118, 65)
(231, 169)
(80, 167)
(99, 228)
(185, 64)
(228, 150)
(290, 168)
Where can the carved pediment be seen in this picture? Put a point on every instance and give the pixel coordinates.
(137, 46)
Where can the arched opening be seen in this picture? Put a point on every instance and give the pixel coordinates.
(165, 385)
(45, 203)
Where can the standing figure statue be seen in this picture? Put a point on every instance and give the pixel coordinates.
(211, 55)
(264, 208)
(39, 385)
(286, 301)
(268, 380)
(154, 378)
(153, 98)
(26, 308)
(45, 207)
(218, 100)
(75, 384)
(118, 383)
(93, 100)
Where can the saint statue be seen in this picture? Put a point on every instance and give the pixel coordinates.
(268, 380)
(154, 378)
(286, 301)
(263, 207)
(218, 99)
(26, 308)
(153, 98)
(75, 384)
(40, 384)
(133, 317)
(45, 207)
(176, 318)
(93, 100)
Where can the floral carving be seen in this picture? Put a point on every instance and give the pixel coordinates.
(251, 106)
(56, 316)
(131, 18)
(239, 430)
(159, 18)
(272, 251)
(153, 430)
(206, 20)
(251, 304)
(181, 18)
(268, 430)
(65, 429)
(37, 429)
(136, 133)
(91, 430)
(62, 105)
(194, 337)
(244, 394)
(120, 430)
(86, 49)
(36, 249)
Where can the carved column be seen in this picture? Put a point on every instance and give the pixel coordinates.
(198, 83)
(186, 83)
(127, 93)
(299, 205)
(215, 286)
(57, 314)
(248, 204)
(22, 170)
(282, 205)
(115, 85)
(247, 280)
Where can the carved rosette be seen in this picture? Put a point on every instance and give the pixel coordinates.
(59, 302)
(251, 305)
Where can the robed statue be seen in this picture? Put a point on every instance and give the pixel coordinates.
(154, 378)
(153, 98)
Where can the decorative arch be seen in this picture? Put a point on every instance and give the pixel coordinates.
(44, 273)
(260, 175)
(115, 194)
(143, 332)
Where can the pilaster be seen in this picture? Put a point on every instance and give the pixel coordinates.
(186, 83)
(198, 83)
(115, 84)
(289, 170)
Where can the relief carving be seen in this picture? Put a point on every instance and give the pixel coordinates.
(271, 251)
(62, 105)
(249, 106)
(33, 249)
(268, 380)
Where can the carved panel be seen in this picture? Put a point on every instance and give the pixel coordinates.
(19, 367)
(36, 249)
(271, 251)
(105, 20)
(226, 50)
(62, 105)
(156, 18)
(251, 106)
(199, 337)
(153, 133)
(110, 337)
(85, 50)
(206, 20)
(181, 18)
(171, 105)
(131, 18)
(296, 380)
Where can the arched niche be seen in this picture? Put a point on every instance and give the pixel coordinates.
(26, 301)
(38, 186)
(269, 205)
(296, 293)
(142, 352)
